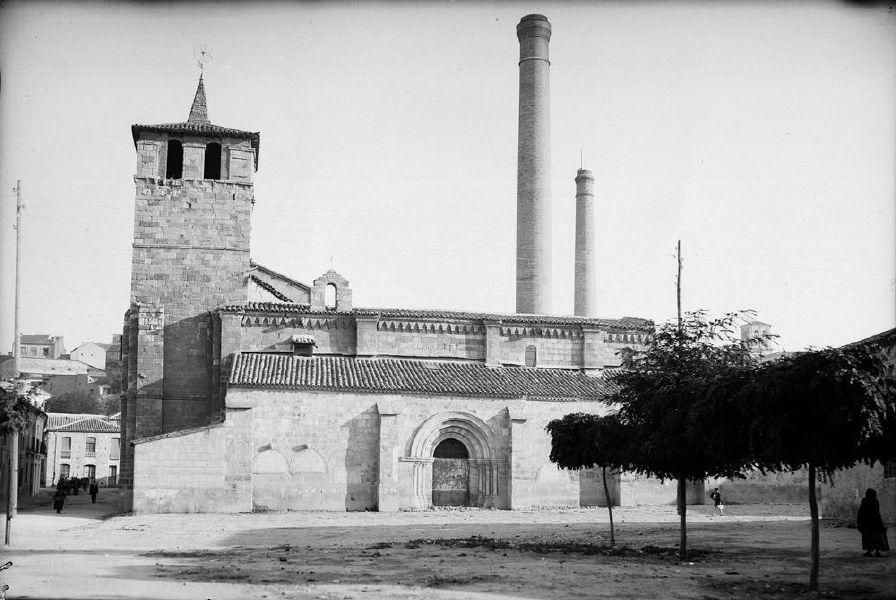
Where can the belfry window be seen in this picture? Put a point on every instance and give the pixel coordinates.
(174, 167)
(330, 296)
(531, 356)
(212, 161)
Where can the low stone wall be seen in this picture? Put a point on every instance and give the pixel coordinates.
(842, 499)
(184, 472)
(638, 489)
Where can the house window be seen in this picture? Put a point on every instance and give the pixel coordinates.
(212, 161)
(115, 449)
(90, 471)
(91, 447)
(113, 475)
(174, 167)
(64, 470)
(66, 448)
(531, 356)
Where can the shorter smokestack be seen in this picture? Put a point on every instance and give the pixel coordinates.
(585, 297)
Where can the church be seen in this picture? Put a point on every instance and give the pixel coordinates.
(246, 389)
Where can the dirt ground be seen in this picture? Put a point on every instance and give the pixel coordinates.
(752, 552)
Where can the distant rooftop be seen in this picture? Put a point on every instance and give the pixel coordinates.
(82, 422)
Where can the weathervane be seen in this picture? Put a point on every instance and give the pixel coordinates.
(203, 56)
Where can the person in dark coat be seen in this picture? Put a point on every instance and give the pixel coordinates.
(871, 526)
(94, 490)
(58, 500)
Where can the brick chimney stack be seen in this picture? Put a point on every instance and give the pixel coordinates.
(533, 224)
(585, 299)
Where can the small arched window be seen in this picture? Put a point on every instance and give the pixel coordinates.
(174, 167)
(330, 296)
(531, 356)
(212, 161)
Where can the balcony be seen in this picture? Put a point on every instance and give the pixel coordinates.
(113, 457)
(90, 454)
(65, 454)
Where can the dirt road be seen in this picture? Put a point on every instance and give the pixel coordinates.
(753, 552)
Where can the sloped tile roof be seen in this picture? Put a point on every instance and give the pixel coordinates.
(47, 366)
(274, 273)
(81, 422)
(269, 289)
(627, 323)
(344, 374)
(37, 338)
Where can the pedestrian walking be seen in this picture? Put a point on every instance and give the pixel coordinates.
(94, 490)
(58, 500)
(718, 505)
(871, 526)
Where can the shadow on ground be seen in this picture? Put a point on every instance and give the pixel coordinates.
(735, 560)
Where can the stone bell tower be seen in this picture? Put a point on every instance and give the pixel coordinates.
(194, 198)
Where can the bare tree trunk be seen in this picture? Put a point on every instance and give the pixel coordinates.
(813, 512)
(683, 511)
(609, 507)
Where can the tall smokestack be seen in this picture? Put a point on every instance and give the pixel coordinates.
(533, 175)
(585, 302)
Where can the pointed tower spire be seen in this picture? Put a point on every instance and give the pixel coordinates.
(199, 110)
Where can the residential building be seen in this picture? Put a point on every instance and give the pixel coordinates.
(31, 450)
(91, 353)
(82, 445)
(41, 346)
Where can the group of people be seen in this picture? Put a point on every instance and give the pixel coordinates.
(66, 486)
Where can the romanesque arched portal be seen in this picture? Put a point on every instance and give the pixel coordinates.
(458, 461)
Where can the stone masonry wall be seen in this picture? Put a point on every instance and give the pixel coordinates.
(333, 335)
(430, 344)
(316, 450)
(191, 255)
(550, 352)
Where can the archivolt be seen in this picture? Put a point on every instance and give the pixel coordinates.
(469, 429)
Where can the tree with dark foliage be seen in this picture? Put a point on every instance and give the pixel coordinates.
(677, 400)
(823, 410)
(584, 441)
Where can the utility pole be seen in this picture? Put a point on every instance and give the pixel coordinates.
(682, 482)
(12, 494)
(678, 287)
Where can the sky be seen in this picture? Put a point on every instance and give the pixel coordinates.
(763, 136)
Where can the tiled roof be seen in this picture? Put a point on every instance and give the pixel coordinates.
(627, 323)
(343, 374)
(270, 289)
(37, 339)
(47, 366)
(81, 422)
(274, 273)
